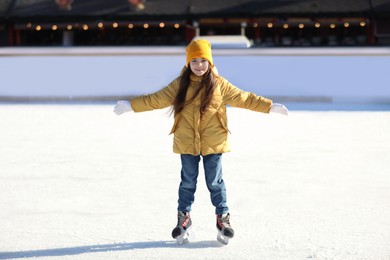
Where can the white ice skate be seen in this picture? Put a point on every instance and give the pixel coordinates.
(222, 238)
(181, 231)
(183, 238)
(225, 231)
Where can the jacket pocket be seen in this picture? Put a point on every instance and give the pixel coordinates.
(223, 122)
(177, 119)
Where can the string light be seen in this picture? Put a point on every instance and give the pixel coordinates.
(115, 25)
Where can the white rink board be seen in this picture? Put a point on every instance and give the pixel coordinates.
(338, 74)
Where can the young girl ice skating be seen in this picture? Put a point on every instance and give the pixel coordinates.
(199, 97)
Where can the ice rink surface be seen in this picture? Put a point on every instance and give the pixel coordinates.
(79, 182)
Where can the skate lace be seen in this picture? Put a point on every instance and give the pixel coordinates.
(224, 221)
(182, 219)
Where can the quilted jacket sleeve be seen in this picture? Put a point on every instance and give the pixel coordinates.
(236, 97)
(158, 100)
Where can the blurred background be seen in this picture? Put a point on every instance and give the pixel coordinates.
(175, 22)
(326, 51)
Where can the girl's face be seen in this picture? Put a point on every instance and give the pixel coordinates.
(199, 66)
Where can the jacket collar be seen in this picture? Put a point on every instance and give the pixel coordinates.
(195, 78)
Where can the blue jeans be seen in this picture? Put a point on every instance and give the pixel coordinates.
(215, 184)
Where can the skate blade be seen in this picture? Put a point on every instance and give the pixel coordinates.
(222, 239)
(183, 239)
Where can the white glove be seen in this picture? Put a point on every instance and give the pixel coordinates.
(279, 108)
(122, 106)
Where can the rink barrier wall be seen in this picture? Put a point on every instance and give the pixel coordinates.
(327, 75)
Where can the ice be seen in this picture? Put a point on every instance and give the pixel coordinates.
(79, 182)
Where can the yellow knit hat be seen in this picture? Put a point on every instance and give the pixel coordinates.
(199, 49)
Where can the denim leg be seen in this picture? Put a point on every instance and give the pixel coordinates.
(189, 175)
(213, 172)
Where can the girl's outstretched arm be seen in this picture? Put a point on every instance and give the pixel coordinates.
(158, 100)
(239, 98)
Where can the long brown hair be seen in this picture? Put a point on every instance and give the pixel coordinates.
(207, 83)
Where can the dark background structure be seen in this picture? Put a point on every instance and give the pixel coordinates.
(266, 23)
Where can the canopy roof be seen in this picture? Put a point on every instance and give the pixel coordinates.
(19, 10)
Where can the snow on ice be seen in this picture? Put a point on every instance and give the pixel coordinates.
(78, 182)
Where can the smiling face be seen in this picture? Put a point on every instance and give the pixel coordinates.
(199, 66)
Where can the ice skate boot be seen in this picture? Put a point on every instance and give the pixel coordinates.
(225, 230)
(180, 232)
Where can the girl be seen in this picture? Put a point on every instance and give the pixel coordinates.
(198, 98)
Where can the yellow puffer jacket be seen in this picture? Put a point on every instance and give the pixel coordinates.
(208, 134)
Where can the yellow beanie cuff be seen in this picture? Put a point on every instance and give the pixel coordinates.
(199, 49)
